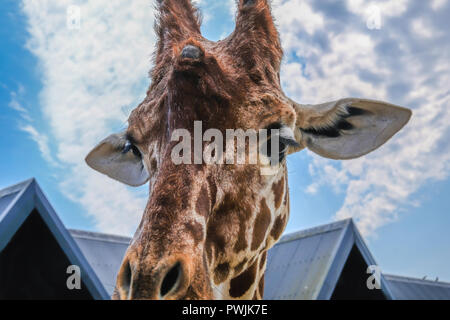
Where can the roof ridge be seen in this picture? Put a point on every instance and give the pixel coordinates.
(394, 277)
(328, 227)
(16, 187)
(93, 235)
(29, 197)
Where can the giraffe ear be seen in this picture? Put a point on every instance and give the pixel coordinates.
(117, 158)
(348, 128)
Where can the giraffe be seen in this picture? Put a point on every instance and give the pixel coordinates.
(206, 229)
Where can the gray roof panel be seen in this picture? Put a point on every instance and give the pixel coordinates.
(302, 265)
(18, 202)
(404, 288)
(6, 201)
(307, 264)
(104, 253)
(279, 260)
(298, 264)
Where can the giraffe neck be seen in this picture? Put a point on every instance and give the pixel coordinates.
(242, 277)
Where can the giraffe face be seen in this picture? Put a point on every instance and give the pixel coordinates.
(207, 226)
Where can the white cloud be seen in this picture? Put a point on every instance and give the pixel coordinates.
(407, 69)
(296, 15)
(348, 52)
(91, 75)
(92, 78)
(42, 142)
(387, 8)
(423, 28)
(25, 125)
(232, 5)
(16, 104)
(438, 4)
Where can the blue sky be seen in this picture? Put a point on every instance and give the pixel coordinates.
(64, 89)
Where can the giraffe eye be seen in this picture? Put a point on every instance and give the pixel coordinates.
(129, 146)
(284, 137)
(282, 148)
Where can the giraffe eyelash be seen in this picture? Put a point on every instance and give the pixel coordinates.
(129, 146)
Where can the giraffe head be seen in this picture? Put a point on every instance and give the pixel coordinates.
(207, 226)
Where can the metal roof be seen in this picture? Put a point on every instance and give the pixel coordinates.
(307, 264)
(18, 202)
(104, 253)
(302, 265)
(404, 288)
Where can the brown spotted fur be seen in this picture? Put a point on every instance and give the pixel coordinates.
(219, 220)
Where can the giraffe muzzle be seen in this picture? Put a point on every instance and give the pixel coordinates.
(170, 280)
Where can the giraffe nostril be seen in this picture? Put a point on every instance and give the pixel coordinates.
(171, 280)
(125, 280)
